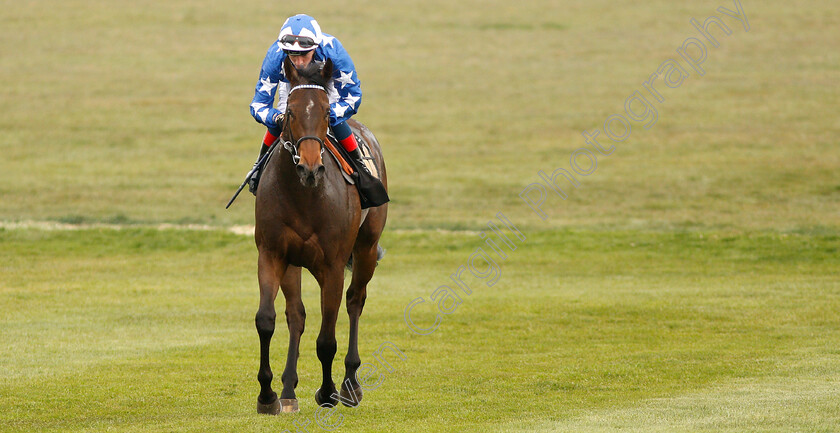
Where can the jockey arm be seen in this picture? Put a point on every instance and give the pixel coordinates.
(346, 96)
(262, 106)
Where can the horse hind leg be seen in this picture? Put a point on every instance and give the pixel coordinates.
(363, 268)
(380, 253)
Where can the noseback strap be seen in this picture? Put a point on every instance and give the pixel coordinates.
(309, 137)
(293, 148)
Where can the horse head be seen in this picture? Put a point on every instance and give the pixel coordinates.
(307, 118)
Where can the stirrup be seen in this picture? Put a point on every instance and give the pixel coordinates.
(254, 179)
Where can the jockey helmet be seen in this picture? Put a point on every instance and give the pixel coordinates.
(300, 33)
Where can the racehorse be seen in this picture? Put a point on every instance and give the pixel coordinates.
(307, 216)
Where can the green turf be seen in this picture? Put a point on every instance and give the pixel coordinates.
(689, 284)
(148, 330)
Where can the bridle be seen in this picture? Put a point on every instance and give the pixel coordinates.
(287, 144)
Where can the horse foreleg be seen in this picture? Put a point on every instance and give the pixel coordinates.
(364, 264)
(270, 273)
(295, 319)
(332, 286)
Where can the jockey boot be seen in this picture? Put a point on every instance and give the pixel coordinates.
(256, 171)
(359, 158)
(350, 144)
(268, 140)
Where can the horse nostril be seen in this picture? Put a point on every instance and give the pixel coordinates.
(301, 169)
(319, 171)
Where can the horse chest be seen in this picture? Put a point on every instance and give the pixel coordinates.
(305, 251)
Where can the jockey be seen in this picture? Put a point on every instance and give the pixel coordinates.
(303, 42)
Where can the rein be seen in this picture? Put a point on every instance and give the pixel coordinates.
(287, 144)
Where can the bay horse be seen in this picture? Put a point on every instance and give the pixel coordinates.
(307, 216)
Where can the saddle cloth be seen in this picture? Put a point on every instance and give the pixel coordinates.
(341, 157)
(372, 192)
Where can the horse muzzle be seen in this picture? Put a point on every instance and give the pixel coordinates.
(310, 176)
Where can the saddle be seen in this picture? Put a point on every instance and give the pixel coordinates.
(371, 191)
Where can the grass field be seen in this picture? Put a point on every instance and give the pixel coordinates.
(147, 330)
(689, 284)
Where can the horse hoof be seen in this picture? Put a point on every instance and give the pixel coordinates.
(328, 401)
(351, 399)
(272, 408)
(290, 405)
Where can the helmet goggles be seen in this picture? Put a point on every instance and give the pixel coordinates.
(297, 43)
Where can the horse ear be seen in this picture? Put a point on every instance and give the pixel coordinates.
(327, 70)
(289, 70)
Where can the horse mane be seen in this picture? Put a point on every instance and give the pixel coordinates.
(311, 74)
